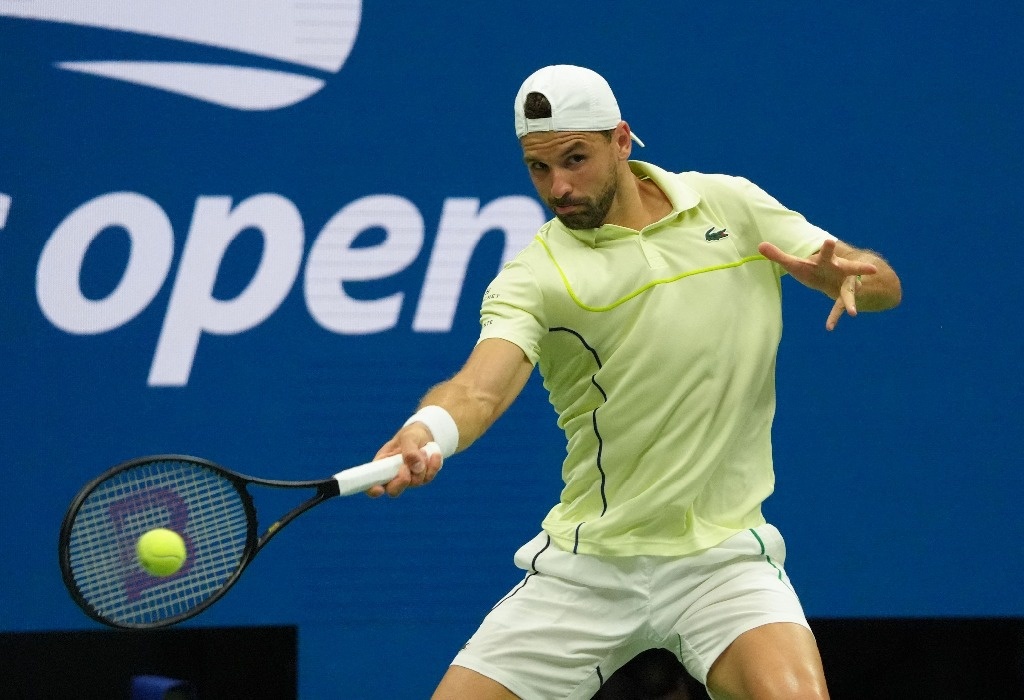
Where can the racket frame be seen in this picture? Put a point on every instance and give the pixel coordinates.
(347, 482)
(325, 490)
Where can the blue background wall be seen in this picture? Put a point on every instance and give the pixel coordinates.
(897, 438)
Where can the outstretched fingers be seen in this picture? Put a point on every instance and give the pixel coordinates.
(777, 255)
(838, 277)
(846, 302)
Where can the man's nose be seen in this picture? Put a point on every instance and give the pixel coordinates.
(560, 184)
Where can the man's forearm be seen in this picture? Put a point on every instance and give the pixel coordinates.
(472, 412)
(881, 290)
(876, 292)
(483, 389)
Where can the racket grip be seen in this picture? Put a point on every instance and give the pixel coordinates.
(381, 471)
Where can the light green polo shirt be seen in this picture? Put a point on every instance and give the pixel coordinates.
(658, 352)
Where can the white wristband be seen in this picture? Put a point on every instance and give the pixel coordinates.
(441, 426)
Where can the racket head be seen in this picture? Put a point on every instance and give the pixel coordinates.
(206, 504)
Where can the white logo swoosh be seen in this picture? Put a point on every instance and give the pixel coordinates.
(230, 86)
(307, 34)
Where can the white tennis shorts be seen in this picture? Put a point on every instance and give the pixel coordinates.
(574, 619)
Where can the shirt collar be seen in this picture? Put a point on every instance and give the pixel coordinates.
(680, 196)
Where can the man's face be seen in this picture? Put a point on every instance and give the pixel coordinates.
(575, 173)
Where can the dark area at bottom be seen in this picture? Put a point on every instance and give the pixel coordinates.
(902, 659)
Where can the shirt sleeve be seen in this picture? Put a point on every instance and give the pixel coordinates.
(512, 309)
(783, 227)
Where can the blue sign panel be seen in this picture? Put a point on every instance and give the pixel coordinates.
(258, 232)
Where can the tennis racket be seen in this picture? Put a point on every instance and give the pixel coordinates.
(209, 506)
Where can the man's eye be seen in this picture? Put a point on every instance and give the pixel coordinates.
(538, 167)
(577, 158)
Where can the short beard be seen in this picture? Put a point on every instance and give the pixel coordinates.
(592, 214)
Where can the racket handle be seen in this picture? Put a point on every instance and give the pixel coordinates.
(357, 479)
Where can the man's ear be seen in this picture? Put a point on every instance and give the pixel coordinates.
(623, 140)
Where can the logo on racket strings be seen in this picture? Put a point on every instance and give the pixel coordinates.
(134, 515)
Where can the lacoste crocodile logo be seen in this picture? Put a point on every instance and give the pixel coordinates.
(712, 235)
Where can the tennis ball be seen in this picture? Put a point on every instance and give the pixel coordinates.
(161, 551)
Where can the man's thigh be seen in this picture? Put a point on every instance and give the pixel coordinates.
(563, 630)
(707, 601)
(779, 660)
(460, 683)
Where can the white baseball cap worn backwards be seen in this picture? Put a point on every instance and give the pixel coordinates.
(581, 100)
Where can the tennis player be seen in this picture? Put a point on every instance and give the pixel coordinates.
(651, 306)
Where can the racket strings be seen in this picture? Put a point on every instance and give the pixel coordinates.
(198, 503)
